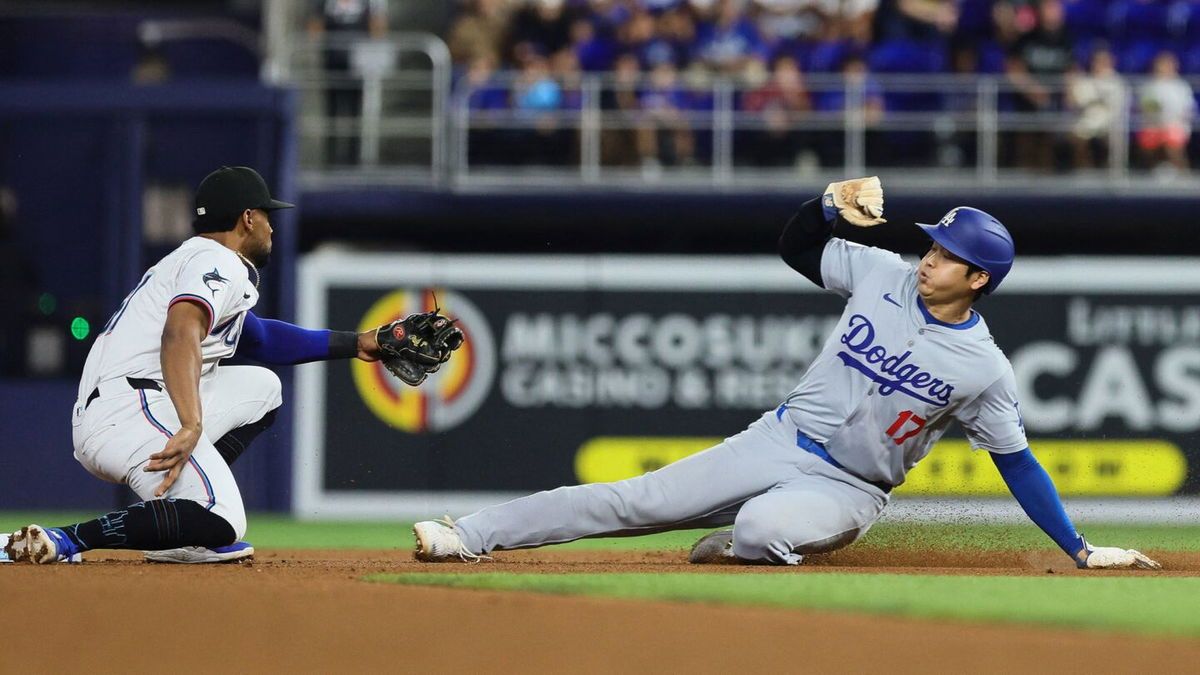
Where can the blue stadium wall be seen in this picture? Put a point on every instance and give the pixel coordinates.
(77, 157)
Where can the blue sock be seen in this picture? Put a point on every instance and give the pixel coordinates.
(65, 546)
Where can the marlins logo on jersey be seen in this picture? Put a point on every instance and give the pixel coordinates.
(214, 277)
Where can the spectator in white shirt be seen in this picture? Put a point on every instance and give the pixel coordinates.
(1168, 105)
(1097, 98)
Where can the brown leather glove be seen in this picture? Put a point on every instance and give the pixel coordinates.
(858, 201)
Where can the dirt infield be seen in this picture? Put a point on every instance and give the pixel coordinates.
(308, 611)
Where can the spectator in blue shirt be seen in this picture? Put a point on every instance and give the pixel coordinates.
(537, 100)
(664, 136)
(594, 52)
(831, 147)
(535, 91)
(729, 43)
(486, 98)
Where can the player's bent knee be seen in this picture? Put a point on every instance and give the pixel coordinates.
(756, 538)
(235, 516)
(238, 526)
(197, 525)
(764, 538)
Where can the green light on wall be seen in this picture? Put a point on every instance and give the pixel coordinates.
(80, 328)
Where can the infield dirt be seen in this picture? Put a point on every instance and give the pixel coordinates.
(309, 611)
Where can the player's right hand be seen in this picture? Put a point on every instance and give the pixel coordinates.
(1111, 557)
(174, 457)
(859, 201)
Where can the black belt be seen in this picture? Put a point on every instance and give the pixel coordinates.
(134, 383)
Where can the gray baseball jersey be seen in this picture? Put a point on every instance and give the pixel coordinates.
(891, 378)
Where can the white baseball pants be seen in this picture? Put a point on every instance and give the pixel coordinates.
(782, 501)
(115, 435)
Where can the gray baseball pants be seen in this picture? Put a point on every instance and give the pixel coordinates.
(782, 501)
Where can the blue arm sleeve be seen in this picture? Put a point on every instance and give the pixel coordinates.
(281, 344)
(1035, 492)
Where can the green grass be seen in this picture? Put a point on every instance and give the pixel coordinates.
(1151, 605)
(274, 531)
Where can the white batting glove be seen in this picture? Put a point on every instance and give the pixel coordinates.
(1111, 557)
(858, 201)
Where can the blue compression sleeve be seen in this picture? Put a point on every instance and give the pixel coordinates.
(1035, 492)
(282, 344)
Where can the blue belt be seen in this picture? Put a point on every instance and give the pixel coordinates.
(814, 448)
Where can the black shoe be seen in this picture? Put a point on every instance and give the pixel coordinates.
(713, 548)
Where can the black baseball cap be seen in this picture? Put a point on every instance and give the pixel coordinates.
(226, 192)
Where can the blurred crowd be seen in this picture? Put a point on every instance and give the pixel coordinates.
(1071, 58)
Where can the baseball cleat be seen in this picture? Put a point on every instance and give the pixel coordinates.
(33, 544)
(713, 548)
(237, 552)
(437, 541)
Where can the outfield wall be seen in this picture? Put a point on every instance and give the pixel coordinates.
(588, 368)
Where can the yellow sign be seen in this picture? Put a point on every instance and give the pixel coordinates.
(1132, 468)
(1080, 468)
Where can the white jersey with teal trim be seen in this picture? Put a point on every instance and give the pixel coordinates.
(891, 378)
(200, 271)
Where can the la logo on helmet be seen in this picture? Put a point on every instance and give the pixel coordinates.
(949, 217)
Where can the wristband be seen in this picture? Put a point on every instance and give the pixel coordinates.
(829, 208)
(343, 344)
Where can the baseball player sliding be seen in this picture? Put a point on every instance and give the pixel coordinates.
(158, 413)
(908, 357)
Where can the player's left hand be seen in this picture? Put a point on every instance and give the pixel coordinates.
(174, 457)
(1111, 557)
(368, 346)
(858, 201)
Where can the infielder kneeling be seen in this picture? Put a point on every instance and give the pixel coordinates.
(156, 411)
(908, 357)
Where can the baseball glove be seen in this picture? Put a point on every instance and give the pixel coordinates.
(417, 345)
(858, 201)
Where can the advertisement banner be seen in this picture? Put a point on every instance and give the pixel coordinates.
(597, 368)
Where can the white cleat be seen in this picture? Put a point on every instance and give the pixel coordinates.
(438, 542)
(238, 552)
(31, 544)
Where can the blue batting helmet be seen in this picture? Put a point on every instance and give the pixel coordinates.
(978, 238)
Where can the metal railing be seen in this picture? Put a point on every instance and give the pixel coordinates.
(933, 128)
(367, 109)
(421, 123)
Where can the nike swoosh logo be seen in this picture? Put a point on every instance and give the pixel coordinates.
(888, 298)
